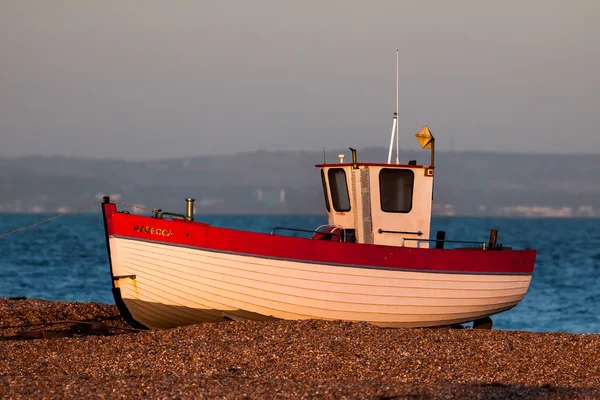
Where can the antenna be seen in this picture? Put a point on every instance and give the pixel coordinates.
(397, 160)
(324, 159)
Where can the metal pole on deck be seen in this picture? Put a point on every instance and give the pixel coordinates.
(397, 157)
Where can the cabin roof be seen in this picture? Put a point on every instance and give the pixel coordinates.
(361, 164)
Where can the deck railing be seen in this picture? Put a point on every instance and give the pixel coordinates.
(483, 245)
(280, 228)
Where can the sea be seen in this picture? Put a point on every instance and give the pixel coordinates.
(66, 259)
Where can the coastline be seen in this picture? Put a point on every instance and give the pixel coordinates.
(288, 359)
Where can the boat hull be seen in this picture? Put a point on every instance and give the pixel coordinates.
(168, 273)
(164, 285)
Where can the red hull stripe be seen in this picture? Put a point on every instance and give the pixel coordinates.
(330, 264)
(206, 237)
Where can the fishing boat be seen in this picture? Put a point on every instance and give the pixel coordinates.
(374, 261)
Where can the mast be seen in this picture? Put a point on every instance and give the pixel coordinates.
(389, 160)
(397, 160)
(395, 122)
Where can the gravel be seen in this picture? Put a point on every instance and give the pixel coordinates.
(288, 359)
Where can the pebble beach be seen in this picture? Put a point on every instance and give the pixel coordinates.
(285, 359)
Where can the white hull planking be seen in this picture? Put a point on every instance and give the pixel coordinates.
(178, 286)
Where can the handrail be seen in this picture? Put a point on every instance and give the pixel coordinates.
(483, 245)
(418, 233)
(280, 228)
(162, 214)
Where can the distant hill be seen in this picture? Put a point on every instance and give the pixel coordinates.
(467, 183)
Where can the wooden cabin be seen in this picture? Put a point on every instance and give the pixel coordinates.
(388, 204)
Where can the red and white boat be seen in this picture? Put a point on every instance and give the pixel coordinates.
(373, 262)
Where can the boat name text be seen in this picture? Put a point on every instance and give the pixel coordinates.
(152, 231)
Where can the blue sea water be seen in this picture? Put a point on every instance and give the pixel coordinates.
(66, 260)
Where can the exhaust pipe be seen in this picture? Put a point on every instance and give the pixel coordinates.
(354, 162)
(189, 209)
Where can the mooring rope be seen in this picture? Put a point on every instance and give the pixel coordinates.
(72, 322)
(74, 211)
(134, 206)
(51, 218)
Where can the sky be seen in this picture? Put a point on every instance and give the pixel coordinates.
(144, 79)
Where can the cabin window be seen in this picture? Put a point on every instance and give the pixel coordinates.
(339, 189)
(396, 189)
(325, 191)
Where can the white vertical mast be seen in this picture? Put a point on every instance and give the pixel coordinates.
(397, 160)
(389, 161)
(395, 123)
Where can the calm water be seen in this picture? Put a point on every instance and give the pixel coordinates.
(66, 259)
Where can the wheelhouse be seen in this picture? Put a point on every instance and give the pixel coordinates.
(387, 204)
